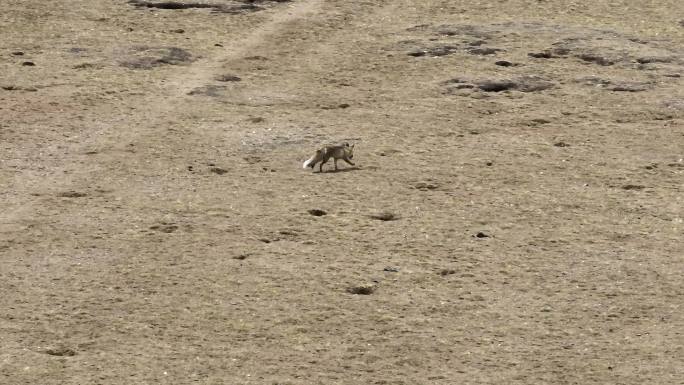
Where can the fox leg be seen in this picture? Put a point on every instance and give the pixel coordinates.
(320, 167)
(335, 160)
(348, 161)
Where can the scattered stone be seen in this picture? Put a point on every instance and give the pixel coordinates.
(217, 8)
(561, 144)
(390, 269)
(445, 272)
(60, 352)
(633, 187)
(343, 105)
(505, 63)
(384, 216)
(165, 227)
(597, 59)
(72, 194)
(218, 45)
(489, 163)
(424, 186)
(480, 234)
(179, 30)
(541, 55)
(228, 78)
(218, 170)
(241, 257)
(496, 85)
(361, 290)
(629, 87)
(144, 57)
(257, 119)
(317, 212)
(18, 53)
(654, 59)
(483, 51)
(28, 63)
(527, 83)
(208, 90)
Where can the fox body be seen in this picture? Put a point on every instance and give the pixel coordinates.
(343, 151)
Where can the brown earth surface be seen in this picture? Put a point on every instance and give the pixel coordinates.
(515, 215)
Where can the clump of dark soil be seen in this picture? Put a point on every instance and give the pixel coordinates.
(208, 90)
(245, 6)
(165, 227)
(149, 57)
(218, 170)
(361, 290)
(228, 78)
(527, 83)
(384, 216)
(60, 352)
(72, 194)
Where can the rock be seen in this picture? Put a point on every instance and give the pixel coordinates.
(361, 290)
(228, 78)
(384, 216)
(317, 212)
(218, 170)
(480, 234)
(505, 63)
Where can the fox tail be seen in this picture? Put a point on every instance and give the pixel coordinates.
(309, 162)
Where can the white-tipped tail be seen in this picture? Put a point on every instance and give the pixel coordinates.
(308, 162)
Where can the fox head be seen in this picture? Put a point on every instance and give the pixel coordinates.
(349, 150)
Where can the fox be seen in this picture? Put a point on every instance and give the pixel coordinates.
(342, 151)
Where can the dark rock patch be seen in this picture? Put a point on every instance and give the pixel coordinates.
(361, 290)
(597, 59)
(654, 59)
(505, 63)
(636, 187)
(445, 272)
(384, 216)
(561, 144)
(218, 170)
(391, 269)
(483, 51)
(317, 212)
(60, 352)
(481, 234)
(165, 227)
(28, 64)
(524, 84)
(208, 90)
(246, 6)
(437, 51)
(149, 57)
(496, 85)
(629, 87)
(228, 78)
(18, 53)
(425, 186)
(72, 194)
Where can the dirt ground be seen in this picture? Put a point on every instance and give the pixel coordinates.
(515, 215)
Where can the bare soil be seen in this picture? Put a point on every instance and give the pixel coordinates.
(516, 214)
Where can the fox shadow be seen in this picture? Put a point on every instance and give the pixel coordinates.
(333, 171)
